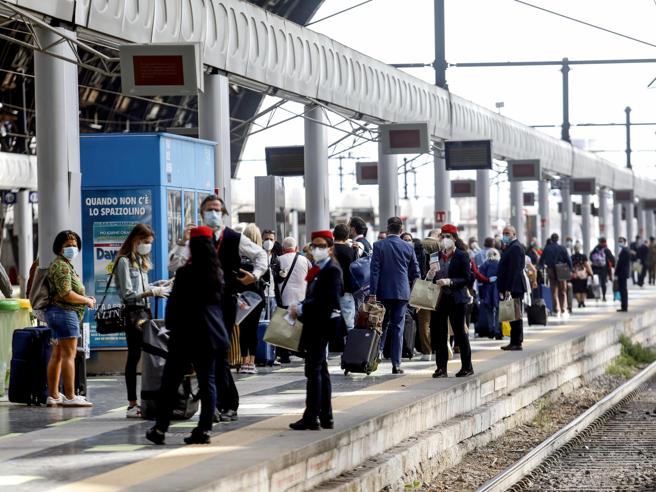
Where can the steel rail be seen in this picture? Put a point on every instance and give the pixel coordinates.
(534, 458)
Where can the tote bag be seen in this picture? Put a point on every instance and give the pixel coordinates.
(508, 310)
(282, 334)
(424, 295)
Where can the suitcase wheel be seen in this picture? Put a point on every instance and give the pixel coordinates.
(368, 372)
(346, 372)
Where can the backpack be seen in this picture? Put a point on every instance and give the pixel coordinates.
(598, 258)
(360, 271)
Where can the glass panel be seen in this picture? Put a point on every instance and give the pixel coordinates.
(189, 208)
(174, 217)
(201, 197)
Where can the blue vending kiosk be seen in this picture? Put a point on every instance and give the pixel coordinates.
(156, 178)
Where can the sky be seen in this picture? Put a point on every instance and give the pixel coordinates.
(401, 31)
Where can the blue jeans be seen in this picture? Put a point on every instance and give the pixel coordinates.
(393, 326)
(347, 307)
(64, 323)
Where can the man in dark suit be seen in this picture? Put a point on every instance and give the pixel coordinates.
(324, 289)
(552, 255)
(510, 281)
(622, 274)
(394, 269)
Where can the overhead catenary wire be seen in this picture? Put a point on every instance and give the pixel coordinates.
(337, 13)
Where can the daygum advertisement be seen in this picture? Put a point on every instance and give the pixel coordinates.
(108, 216)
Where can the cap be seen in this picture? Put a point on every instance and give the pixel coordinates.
(449, 229)
(327, 235)
(202, 231)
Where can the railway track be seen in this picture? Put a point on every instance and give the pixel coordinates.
(612, 446)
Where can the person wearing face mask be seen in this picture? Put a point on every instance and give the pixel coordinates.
(453, 274)
(511, 283)
(274, 248)
(131, 272)
(324, 288)
(622, 274)
(66, 310)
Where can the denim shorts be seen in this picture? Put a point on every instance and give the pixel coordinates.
(64, 323)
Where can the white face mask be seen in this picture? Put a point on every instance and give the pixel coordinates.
(320, 254)
(144, 249)
(446, 243)
(267, 245)
(212, 219)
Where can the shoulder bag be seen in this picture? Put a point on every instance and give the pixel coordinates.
(424, 295)
(282, 333)
(110, 319)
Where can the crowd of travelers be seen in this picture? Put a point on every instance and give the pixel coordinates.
(326, 284)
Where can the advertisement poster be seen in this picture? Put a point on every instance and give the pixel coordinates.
(108, 216)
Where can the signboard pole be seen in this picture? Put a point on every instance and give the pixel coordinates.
(586, 223)
(603, 211)
(317, 216)
(388, 187)
(442, 188)
(566, 215)
(483, 204)
(543, 210)
(214, 125)
(516, 209)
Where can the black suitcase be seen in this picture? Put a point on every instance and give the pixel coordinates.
(361, 351)
(28, 379)
(537, 313)
(409, 334)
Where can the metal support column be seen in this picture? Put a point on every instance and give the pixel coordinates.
(630, 234)
(483, 204)
(214, 125)
(564, 133)
(649, 223)
(388, 187)
(58, 143)
(23, 229)
(543, 210)
(603, 212)
(442, 192)
(586, 223)
(566, 212)
(516, 209)
(617, 222)
(640, 211)
(317, 210)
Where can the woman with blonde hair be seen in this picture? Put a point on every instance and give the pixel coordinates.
(131, 270)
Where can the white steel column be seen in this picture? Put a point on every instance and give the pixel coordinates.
(388, 187)
(483, 204)
(58, 143)
(543, 210)
(641, 219)
(442, 189)
(317, 211)
(649, 223)
(617, 222)
(23, 229)
(214, 125)
(586, 224)
(516, 209)
(630, 234)
(603, 212)
(566, 213)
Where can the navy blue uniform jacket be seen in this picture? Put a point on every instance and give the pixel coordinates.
(554, 253)
(623, 269)
(394, 269)
(511, 270)
(461, 276)
(321, 299)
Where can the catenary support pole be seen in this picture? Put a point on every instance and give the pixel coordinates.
(214, 125)
(586, 224)
(442, 183)
(388, 187)
(23, 229)
(566, 212)
(603, 212)
(483, 204)
(516, 210)
(543, 210)
(442, 191)
(317, 211)
(58, 143)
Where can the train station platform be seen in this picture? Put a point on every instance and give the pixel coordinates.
(388, 428)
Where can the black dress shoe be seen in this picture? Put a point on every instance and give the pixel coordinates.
(465, 372)
(397, 370)
(440, 373)
(512, 347)
(198, 436)
(622, 310)
(155, 436)
(302, 425)
(498, 337)
(327, 424)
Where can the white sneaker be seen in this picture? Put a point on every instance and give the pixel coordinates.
(566, 315)
(54, 402)
(133, 412)
(426, 357)
(76, 401)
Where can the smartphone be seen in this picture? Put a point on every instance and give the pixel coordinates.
(434, 258)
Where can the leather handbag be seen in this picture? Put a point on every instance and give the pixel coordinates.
(509, 310)
(424, 295)
(563, 272)
(283, 334)
(110, 319)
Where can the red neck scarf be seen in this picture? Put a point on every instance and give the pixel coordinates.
(312, 273)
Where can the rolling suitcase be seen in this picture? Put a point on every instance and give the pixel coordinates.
(265, 353)
(537, 313)
(409, 333)
(28, 381)
(547, 297)
(361, 351)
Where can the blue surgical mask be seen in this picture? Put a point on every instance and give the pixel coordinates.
(212, 219)
(506, 239)
(70, 252)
